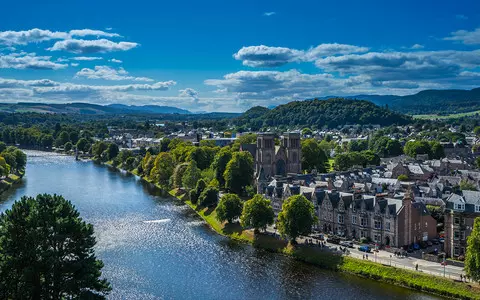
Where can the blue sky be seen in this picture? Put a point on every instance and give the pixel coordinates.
(231, 55)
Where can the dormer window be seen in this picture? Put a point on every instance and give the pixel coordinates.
(459, 206)
(477, 208)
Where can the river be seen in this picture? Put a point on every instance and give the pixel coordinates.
(153, 247)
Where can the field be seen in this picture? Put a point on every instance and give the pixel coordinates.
(443, 117)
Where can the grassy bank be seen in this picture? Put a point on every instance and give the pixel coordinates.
(9, 181)
(233, 231)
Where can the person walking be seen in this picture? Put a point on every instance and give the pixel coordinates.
(416, 267)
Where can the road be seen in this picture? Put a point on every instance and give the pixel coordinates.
(388, 258)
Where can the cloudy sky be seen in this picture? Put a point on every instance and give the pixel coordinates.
(229, 56)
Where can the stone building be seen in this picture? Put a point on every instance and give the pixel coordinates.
(275, 160)
(460, 213)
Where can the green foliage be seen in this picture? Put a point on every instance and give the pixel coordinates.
(239, 172)
(208, 174)
(62, 139)
(229, 208)
(296, 218)
(476, 130)
(330, 113)
(466, 185)
(178, 174)
(220, 164)
(257, 213)
(250, 138)
(472, 257)
(203, 156)
(306, 131)
(313, 157)
(98, 148)
(112, 151)
(385, 147)
(82, 145)
(191, 175)
(68, 146)
(345, 161)
(47, 251)
(148, 162)
(414, 148)
(360, 145)
(208, 197)
(193, 196)
(162, 168)
(3, 146)
(402, 177)
(437, 150)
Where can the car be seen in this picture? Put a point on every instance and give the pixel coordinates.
(441, 240)
(333, 240)
(429, 243)
(364, 248)
(348, 244)
(435, 241)
(416, 246)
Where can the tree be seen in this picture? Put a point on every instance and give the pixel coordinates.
(414, 148)
(209, 197)
(163, 168)
(313, 157)
(62, 139)
(359, 145)
(3, 146)
(257, 213)
(402, 177)
(437, 150)
(472, 256)
(220, 164)
(98, 148)
(296, 218)
(112, 151)
(20, 159)
(47, 252)
(191, 175)
(342, 161)
(239, 172)
(476, 130)
(466, 185)
(229, 208)
(82, 145)
(68, 146)
(178, 174)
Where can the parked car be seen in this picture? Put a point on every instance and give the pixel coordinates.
(435, 241)
(348, 244)
(333, 240)
(429, 243)
(416, 246)
(364, 248)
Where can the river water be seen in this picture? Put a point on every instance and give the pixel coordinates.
(156, 248)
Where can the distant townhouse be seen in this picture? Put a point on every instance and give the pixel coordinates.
(460, 213)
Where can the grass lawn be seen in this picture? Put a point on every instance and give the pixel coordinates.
(233, 231)
(451, 116)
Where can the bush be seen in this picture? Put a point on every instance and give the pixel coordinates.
(193, 196)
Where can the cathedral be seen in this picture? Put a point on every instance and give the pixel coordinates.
(275, 160)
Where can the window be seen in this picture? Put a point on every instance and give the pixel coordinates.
(353, 208)
(387, 226)
(462, 235)
(376, 237)
(456, 235)
(363, 234)
(340, 219)
(459, 206)
(378, 225)
(354, 220)
(456, 221)
(456, 251)
(477, 208)
(364, 221)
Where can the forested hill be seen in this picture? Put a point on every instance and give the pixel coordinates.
(429, 101)
(330, 113)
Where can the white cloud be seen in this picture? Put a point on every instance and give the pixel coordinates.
(417, 46)
(37, 35)
(66, 88)
(266, 56)
(115, 61)
(108, 73)
(14, 83)
(24, 60)
(91, 32)
(189, 93)
(91, 46)
(74, 64)
(466, 37)
(269, 13)
(87, 58)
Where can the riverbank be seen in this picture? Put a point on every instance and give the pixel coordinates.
(9, 181)
(334, 262)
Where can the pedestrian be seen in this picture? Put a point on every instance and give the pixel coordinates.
(416, 268)
(461, 278)
(364, 256)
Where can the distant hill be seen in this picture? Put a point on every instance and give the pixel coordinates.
(428, 101)
(89, 109)
(330, 113)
